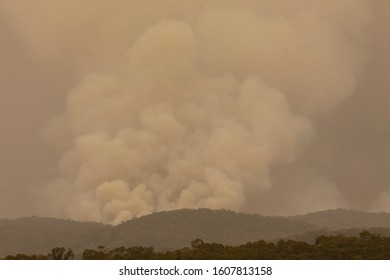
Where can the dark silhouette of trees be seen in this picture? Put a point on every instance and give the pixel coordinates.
(55, 254)
(121, 253)
(365, 246)
(61, 254)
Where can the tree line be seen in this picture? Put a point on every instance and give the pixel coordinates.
(366, 246)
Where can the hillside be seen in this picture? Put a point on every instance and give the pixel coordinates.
(163, 230)
(345, 219)
(40, 235)
(310, 236)
(176, 229)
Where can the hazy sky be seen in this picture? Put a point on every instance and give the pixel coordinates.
(115, 110)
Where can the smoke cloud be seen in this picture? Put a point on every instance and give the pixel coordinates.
(188, 105)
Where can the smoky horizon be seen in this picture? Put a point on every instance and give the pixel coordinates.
(114, 110)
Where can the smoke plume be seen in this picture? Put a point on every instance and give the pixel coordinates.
(187, 104)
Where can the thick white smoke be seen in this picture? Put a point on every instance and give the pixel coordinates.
(187, 105)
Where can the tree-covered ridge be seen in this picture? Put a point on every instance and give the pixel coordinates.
(345, 219)
(311, 236)
(366, 246)
(35, 235)
(175, 229)
(167, 231)
(163, 231)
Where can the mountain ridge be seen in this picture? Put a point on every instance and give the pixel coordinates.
(174, 229)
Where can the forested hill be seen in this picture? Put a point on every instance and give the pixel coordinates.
(35, 235)
(176, 229)
(173, 230)
(345, 219)
(311, 236)
(163, 230)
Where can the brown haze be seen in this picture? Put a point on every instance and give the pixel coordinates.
(276, 107)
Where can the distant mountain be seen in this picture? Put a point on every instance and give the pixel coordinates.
(176, 229)
(310, 236)
(345, 219)
(163, 230)
(36, 235)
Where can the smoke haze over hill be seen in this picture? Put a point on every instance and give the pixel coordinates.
(259, 106)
